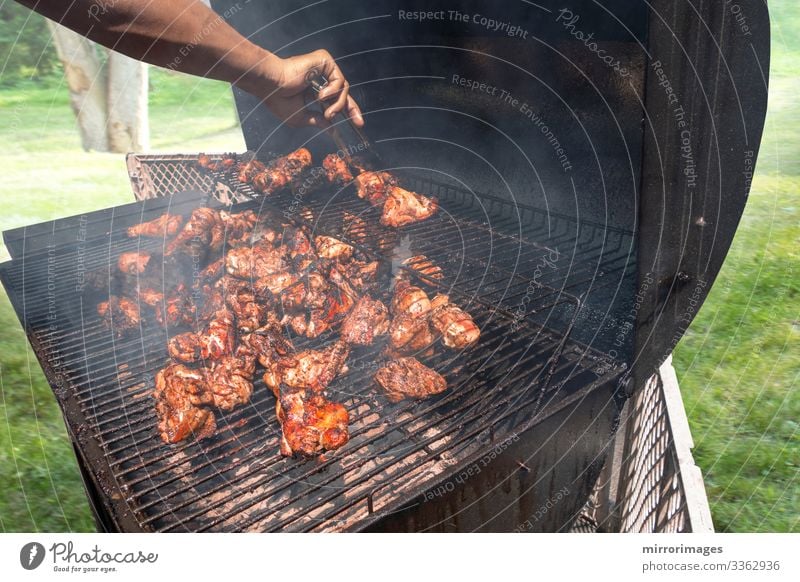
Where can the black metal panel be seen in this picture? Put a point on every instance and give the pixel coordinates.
(706, 101)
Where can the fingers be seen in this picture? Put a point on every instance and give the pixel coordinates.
(337, 89)
(354, 112)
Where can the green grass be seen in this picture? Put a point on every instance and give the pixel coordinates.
(738, 364)
(47, 176)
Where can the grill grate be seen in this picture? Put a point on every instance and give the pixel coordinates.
(524, 368)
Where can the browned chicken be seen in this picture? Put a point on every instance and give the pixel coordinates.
(374, 187)
(150, 296)
(456, 325)
(282, 171)
(212, 271)
(332, 248)
(310, 323)
(404, 207)
(182, 395)
(267, 344)
(310, 424)
(197, 232)
(119, 314)
(184, 347)
(310, 291)
(296, 244)
(254, 262)
(178, 308)
(337, 169)
(252, 309)
(362, 275)
(232, 229)
(249, 170)
(231, 379)
(219, 337)
(277, 282)
(410, 299)
(368, 320)
(227, 162)
(312, 369)
(163, 226)
(133, 262)
(410, 334)
(408, 378)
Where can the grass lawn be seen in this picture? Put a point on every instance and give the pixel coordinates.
(738, 365)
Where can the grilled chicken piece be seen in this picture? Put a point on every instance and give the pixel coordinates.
(163, 226)
(134, 262)
(182, 395)
(254, 262)
(310, 424)
(408, 378)
(184, 347)
(312, 369)
(150, 296)
(252, 309)
(227, 162)
(424, 266)
(282, 171)
(404, 207)
(231, 379)
(368, 319)
(456, 325)
(332, 248)
(197, 231)
(277, 282)
(410, 334)
(310, 324)
(309, 291)
(410, 299)
(362, 275)
(374, 187)
(178, 309)
(248, 170)
(296, 243)
(337, 169)
(213, 271)
(267, 344)
(219, 337)
(119, 314)
(232, 229)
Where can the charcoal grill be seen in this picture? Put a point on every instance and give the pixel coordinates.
(582, 279)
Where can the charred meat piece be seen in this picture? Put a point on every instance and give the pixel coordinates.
(232, 229)
(178, 309)
(282, 171)
(362, 275)
(248, 170)
(310, 323)
(312, 369)
(182, 395)
(230, 379)
(310, 424)
(267, 344)
(227, 162)
(197, 232)
(277, 282)
(212, 271)
(296, 243)
(410, 299)
(404, 207)
(410, 334)
(408, 378)
(310, 291)
(134, 262)
(163, 226)
(332, 248)
(254, 262)
(456, 325)
(184, 347)
(119, 314)
(150, 296)
(252, 309)
(219, 337)
(368, 320)
(337, 169)
(374, 187)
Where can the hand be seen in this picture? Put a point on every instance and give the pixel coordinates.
(287, 100)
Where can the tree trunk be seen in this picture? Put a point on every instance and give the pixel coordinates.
(128, 126)
(86, 80)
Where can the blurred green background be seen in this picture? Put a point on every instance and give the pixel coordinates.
(738, 365)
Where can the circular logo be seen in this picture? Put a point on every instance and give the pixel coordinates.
(31, 555)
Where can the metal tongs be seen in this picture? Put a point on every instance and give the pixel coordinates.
(350, 140)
